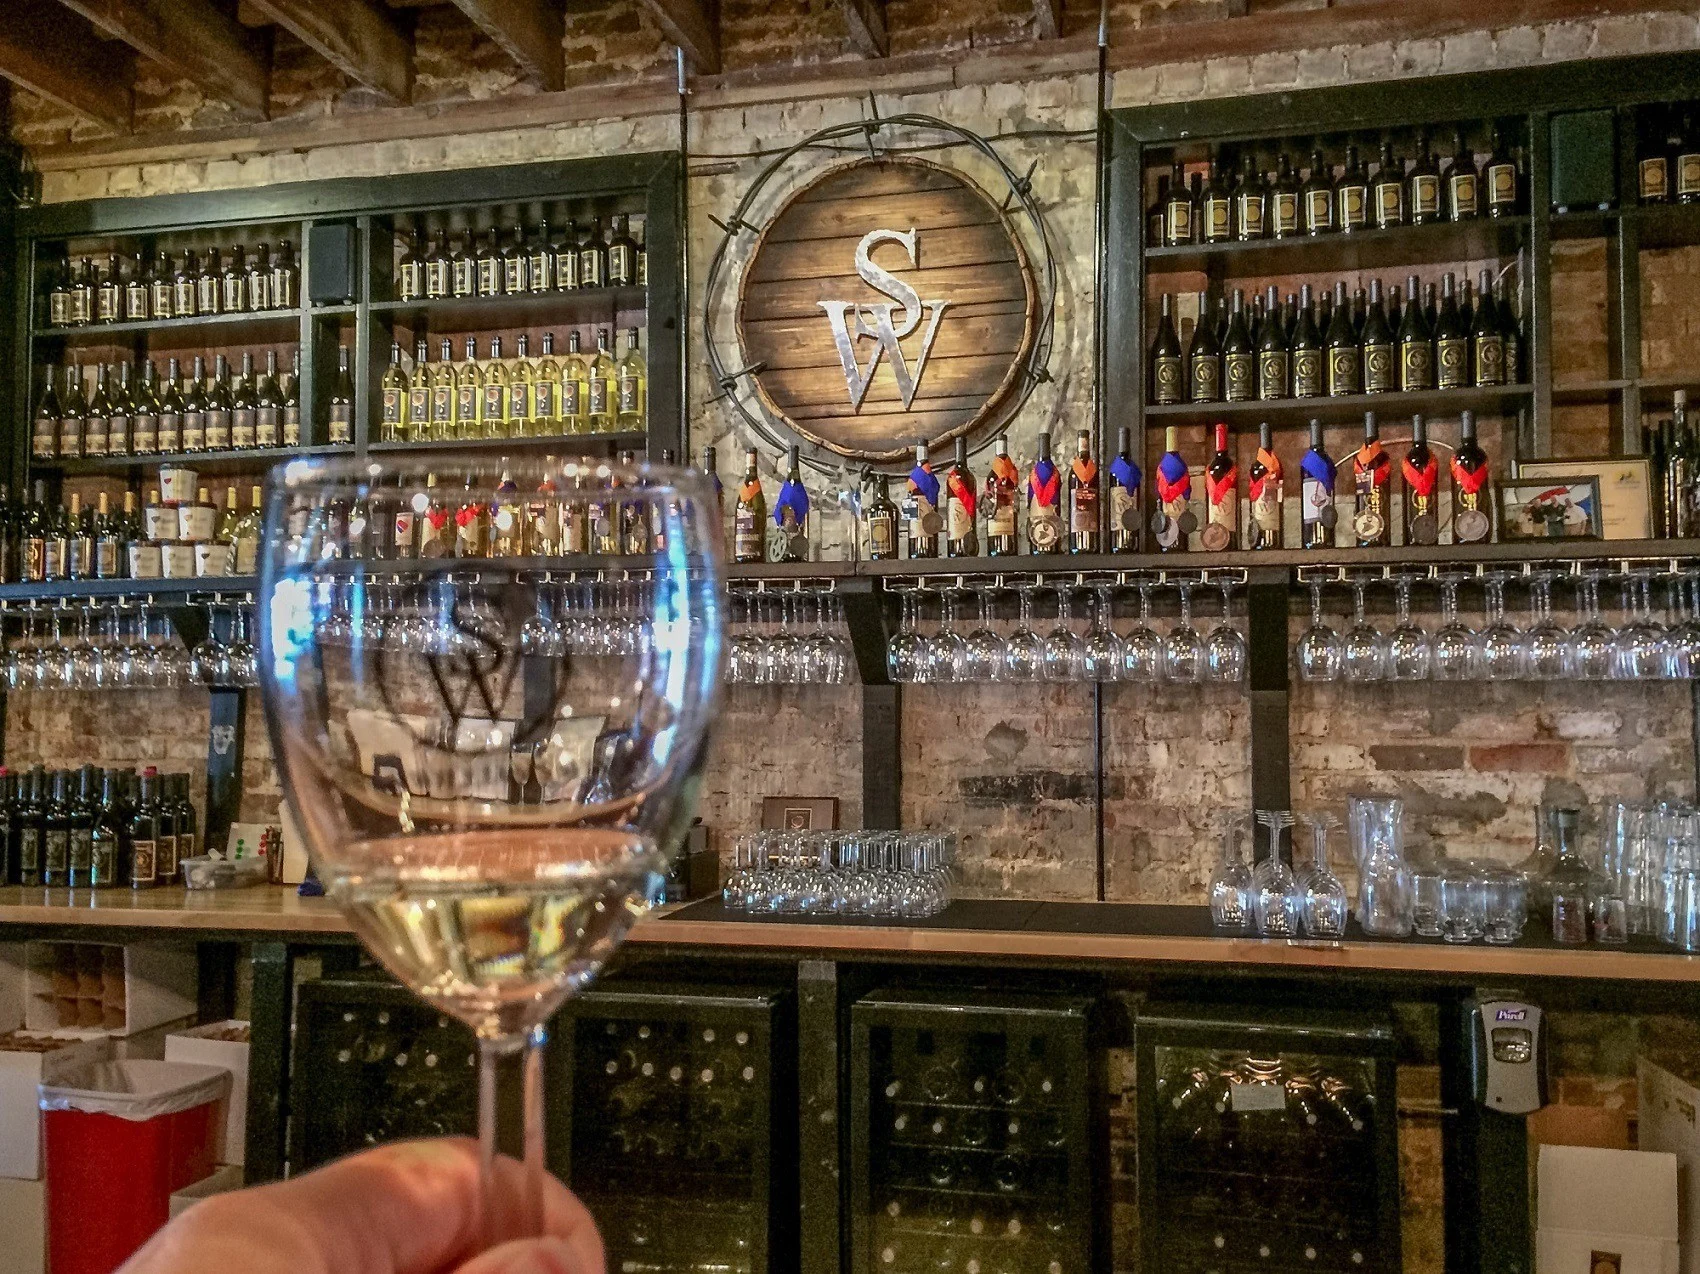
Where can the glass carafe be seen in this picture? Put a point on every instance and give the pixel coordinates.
(1569, 883)
(1385, 904)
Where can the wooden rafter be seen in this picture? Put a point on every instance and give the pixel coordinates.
(1047, 18)
(866, 20)
(56, 56)
(355, 36)
(193, 39)
(692, 26)
(529, 31)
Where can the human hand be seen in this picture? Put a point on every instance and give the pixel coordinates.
(409, 1208)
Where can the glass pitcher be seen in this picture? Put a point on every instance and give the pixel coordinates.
(1385, 903)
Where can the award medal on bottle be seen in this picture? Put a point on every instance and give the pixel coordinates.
(791, 520)
(1222, 502)
(1419, 492)
(1369, 479)
(1044, 523)
(1125, 480)
(1173, 519)
(1470, 523)
(1318, 470)
(924, 486)
(1083, 515)
(1265, 493)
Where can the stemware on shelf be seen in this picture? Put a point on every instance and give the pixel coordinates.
(1024, 652)
(1142, 648)
(1500, 650)
(1640, 642)
(1325, 905)
(1064, 657)
(1102, 651)
(1225, 651)
(1363, 655)
(1409, 654)
(1230, 881)
(983, 658)
(1454, 648)
(1551, 654)
(1319, 650)
(1277, 903)
(1592, 642)
(1183, 648)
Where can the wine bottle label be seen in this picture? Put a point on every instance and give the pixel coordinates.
(1490, 359)
(206, 294)
(619, 264)
(196, 522)
(243, 427)
(29, 854)
(183, 298)
(882, 536)
(543, 400)
(106, 305)
(59, 309)
(566, 268)
(106, 558)
(213, 558)
(495, 404)
(71, 438)
(265, 427)
(392, 406)
(542, 271)
(1369, 519)
(1378, 369)
(292, 425)
(1216, 218)
(1416, 366)
(1354, 210)
(1124, 509)
(82, 306)
(194, 431)
(1206, 378)
(1224, 511)
(1425, 195)
(748, 543)
(1655, 178)
(1502, 185)
(434, 534)
(1389, 203)
(35, 559)
(405, 527)
(418, 407)
(1272, 374)
(575, 530)
(437, 277)
(442, 404)
(1343, 377)
(1241, 370)
(218, 430)
(56, 855)
(341, 424)
(161, 301)
(959, 521)
(1266, 512)
(136, 301)
(513, 275)
(1044, 527)
(259, 290)
(1000, 517)
(1452, 361)
(1307, 373)
(463, 278)
(1463, 190)
(1688, 173)
(79, 557)
(470, 532)
(1180, 221)
(572, 398)
(1286, 213)
(1083, 511)
(118, 435)
(1319, 210)
(519, 407)
(598, 395)
(629, 387)
(58, 557)
(1251, 211)
(44, 438)
(165, 858)
(159, 522)
(489, 277)
(1166, 380)
(1317, 501)
(592, 270)
(95, 435)
(233, 296)
(142, 861)
(144, 433)
(103, 859)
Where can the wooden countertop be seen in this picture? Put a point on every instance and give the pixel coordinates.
(991, 929)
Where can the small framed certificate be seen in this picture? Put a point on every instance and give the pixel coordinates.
(1626, 489)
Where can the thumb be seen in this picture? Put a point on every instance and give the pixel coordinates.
(532, 1256)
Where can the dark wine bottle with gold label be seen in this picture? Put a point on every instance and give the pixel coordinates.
(1167, 384)
(1239, 358)
(1274, 364)
(1345, 370)
(1487, 342)
(1416, 353)
(1204, 357)
(1451, 340)
(1387, 192)
(1317, 196)
(1307, 359)
(1351, 195)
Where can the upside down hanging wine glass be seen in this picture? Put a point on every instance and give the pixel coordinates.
(493, 903)
(1319, 651)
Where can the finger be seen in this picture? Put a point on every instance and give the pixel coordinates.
(564, 1216)
(531, 1256)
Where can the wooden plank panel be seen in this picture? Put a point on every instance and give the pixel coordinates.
(528, 31)
(824, 258)
(954, 376)
(59, 58)
(801, 298)
(936, 210)
(689, 24)
(355, 36)
(798, 342)
(195, 40)
(895, 180)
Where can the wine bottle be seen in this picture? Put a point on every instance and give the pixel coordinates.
(1422, 197)
(1472, 487)
(1510, 333)
(791, 511)
(487, 265)
(393, 388)
(1387, 193)
(1251, 201)
(1127, 523)
(1084, 535)
(1500, 177)
(1307, 359)
(207, 283)
(999, 497)
(632, 386)
(1344, 355)
(44, 430)
(245, 406)
(1372, 472)
(516, 263)
(56, 832)
(260, 279)
(143, 836)
(1222, 496)
(291, 391)
(1156, 216)
(961, 506)
(59, 294)
(233, 283)
(1044, 502)
(1204, 357)
(1239, 356)
(493, 421)
(1217, 219)
(600, 386)
(1451, 340)
(183, 290)
(922, 521)
(1487, 342)
(219, 406)
(1273, 360)
(1462, 179)
(1318, 195)
(1317, 515)
(1173, 521)
(195, 409)
(1351, 195)
(1178, 222)
(1266, 489)
(1167, 386)
(341, 416)
(1284, 216)
(749, 517)
(419, 394)
(1416, 354)
(109, 293)
(881, 519)
(268, 406)
(521, 380)
(138, 289)
(97, 422)
(144, 418)
(1421, 473)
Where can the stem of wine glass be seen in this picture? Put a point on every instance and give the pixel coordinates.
(1316, 603)
(1495, 602)
(1449, 601)
(490, 1050)
(1144, 604)
(532, 1097)
(1358, 602)
(1404, 587)
(1186, 606)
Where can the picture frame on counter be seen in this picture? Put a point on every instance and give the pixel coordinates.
(799, 813)
(1626, 489)
(1553, 509)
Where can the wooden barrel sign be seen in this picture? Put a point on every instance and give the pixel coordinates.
(889, 302)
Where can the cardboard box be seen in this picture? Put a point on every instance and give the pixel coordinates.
(1666, 1122)
(1606, 1210)
(201, 1044)
(84, 989)
(226, 1178)
(21, 1070)
(23, 1227)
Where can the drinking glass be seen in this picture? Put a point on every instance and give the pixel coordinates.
(1024, 652)
(1640, 639)
(1463, 904)
(985, 651)
(493, 906)
(1230, 882)
(1363, 655)
(1454, 649)
(1142, 648)
(1551, 656)
(1682, 639)
(1324, 895)
(908, 651)
(1425, 901)
(1505, 893)
(1225, 647)
(1500, 652)
(1592, 641)
(1183, 648)
(1065, 654)
(1276, 901)
(1319, 649)
(947, 655)
(1102, 653)
(1408, 654)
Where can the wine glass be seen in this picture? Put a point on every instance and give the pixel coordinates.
(1454, 647)
(1183, 649)
(494, 906)
(1592, 641)
(1324, 895)
(907, 653)
(948, 653)
(1142, 648)
(1102, 651)
(1682, 642)
(1225, 647)
(1024, 652)
(1551, 657)
(984, 661)
(1500, 652)
(1319, 650)
(1276, 901)
(1363, 655)
(1640, 640)
(1409, 657)
(1065, 655)
(1230, 882)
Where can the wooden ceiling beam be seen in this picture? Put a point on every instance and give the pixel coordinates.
(193, 39)
(691, 25)
(57, 57)
(528, 31)
(866, 20)
(355, 36)
(1047, 18)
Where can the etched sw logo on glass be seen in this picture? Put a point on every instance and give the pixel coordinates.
(851, 321)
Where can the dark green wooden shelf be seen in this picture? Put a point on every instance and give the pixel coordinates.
(563, 444)
(1438, 242)
(249, 458)
(530, 309)
(1298, 412)
(247, 318)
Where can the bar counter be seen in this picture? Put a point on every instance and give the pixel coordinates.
(993, 930)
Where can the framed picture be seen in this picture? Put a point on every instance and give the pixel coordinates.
(799, 813)
(1626, 489)
(1561, 509)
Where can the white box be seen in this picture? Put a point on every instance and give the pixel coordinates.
(1612, 1207)
(20, 1114)
(194, 1045)
(1666, 1122)
(23, 1227)
(226, 1178)
(157, 985)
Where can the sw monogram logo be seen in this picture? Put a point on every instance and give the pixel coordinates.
(851, 322)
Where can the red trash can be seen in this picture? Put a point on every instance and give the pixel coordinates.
(119, 1138)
